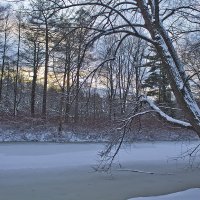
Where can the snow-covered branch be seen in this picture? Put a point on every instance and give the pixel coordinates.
(164, 115)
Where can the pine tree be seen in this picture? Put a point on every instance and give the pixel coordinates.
(157, 81)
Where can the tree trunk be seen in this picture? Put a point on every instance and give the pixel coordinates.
(17, 70)
(76, 109)
(62, 99)
(67, 110)
(111, 95)
(3, 61)
(172, 66)
(44, 101)
(34, 81)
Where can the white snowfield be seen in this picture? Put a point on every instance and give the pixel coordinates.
(50, 171)
(46, 156)
(192, 194)
(54, 155)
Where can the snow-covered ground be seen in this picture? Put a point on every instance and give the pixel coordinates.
(29, 132)
(65, 172)
(192, 194)
(49, 136)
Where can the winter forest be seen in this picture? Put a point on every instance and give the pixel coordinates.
(96, 63)
(117, 72)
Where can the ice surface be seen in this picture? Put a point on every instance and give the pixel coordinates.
(49, 171)
(38, 155)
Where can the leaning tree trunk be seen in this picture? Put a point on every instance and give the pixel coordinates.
(172, 65)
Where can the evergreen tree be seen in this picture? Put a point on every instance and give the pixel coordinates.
(157, 81)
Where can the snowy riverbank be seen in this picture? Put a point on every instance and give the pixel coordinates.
(64, 171)
(37, 130)
(51, 135)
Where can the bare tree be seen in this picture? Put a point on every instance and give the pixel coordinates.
(16, 100)
(146, 20)
(32, 54)
(43, 13)
(190, 55)
(6, 31)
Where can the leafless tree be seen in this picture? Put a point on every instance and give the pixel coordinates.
(16, 99)
(159, 24)
(6, 29)
(44, 12)
(151, 21)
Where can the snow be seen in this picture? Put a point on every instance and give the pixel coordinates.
(49, 171)
(48, 136)
(165, 116)
(180, 83)
(38, 155)
(192, 194)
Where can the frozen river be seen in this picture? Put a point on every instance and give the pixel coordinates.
(48, 171)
